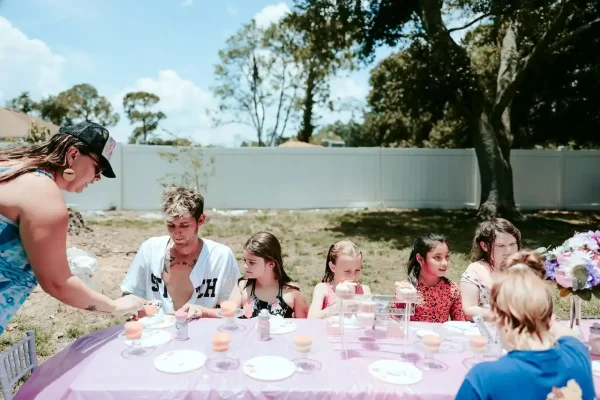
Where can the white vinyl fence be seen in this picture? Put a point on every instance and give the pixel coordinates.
(289, 178)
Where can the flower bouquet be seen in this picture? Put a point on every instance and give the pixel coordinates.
(575, 267)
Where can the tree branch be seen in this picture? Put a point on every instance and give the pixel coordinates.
(563, 41)
(279, 106)
(235, 121)
(254, 87)
(248, 107)
(289, 109)
(442, 42)
(476, 20)
(503, 97)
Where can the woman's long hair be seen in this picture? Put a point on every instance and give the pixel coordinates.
(50, 156)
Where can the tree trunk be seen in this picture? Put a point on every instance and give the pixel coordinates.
(494, 140)
(495, 172)
(492, 145)
(307, 127)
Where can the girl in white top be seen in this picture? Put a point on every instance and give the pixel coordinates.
(495, 240)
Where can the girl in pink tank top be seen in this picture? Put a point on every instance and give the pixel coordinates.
(343, 264)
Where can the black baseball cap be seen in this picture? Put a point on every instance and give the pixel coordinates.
(97, 139)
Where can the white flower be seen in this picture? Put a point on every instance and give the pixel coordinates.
(582, 240)
(557, 251)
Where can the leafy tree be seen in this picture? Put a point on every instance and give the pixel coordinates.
(257, 82)
(85, 104)
(22, 103)
(53, 110)
(531, 32)
(408, 103)
(411, 104)
(320, 53)
(138, 107)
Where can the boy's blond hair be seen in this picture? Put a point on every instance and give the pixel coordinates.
(180, 202)
(522, 303)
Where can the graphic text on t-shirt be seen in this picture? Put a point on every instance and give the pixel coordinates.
(201, 291)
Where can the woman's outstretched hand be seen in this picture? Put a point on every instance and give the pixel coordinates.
(129, 304)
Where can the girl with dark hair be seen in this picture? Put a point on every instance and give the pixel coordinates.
(266, 284)
(439, 298)
(34, 218)
(494, 241)
(343, 264)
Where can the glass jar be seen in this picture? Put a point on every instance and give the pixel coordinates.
(594, 339)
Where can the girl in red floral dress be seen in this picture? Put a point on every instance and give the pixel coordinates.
(266, 285)
(439, 298)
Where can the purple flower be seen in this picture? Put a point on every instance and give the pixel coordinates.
(551, 265)
(593, 275)
(581, 249)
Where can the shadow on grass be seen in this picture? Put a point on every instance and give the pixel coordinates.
(400, 228)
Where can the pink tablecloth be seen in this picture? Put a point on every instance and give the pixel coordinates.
(92, 368)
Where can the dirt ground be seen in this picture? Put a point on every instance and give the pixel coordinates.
(385, 236)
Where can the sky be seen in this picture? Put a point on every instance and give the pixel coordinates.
(167, 47)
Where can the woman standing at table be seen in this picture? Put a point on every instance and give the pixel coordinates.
(495, 240)
(540, 360)
(34, 218)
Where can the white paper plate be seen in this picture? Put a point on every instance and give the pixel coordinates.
(423, 332)
(152, 338)
(464, 327)
(179, 361)
(349, 323)
(165, 321)
(279, 327)
(396, 372)
(269, 368)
